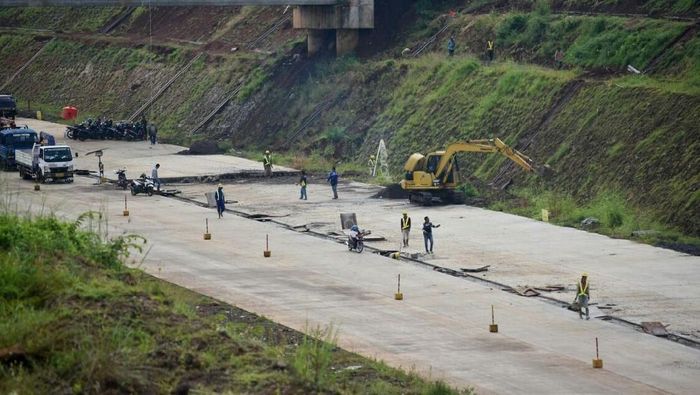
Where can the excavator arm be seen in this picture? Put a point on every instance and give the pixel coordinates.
(495, 145)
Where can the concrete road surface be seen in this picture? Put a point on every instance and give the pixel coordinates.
(633, 281)
(441, 328)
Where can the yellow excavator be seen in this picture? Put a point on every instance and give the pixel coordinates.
(435, 176)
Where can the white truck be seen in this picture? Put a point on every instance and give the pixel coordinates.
(45, 163)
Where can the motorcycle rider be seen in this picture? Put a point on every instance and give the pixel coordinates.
(354, 233)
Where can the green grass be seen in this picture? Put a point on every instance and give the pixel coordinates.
(587, 42)
(67, 19)
(84, 322)
(616, 216)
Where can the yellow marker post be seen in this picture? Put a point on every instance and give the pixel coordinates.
(267, 253)
(597, 362)
(545, 215)
(493, 328)
(207, 235)
(398, 295)
(126, 209)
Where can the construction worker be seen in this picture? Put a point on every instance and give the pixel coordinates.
(489, 50)
(583, 295)
(559, 58)
(154, 176)
(144, 126)
(405, 228)
(302, 183)
(451, 45)
(220, 200)
(267, 163)
(428, 235)
(333, 180)
(370, 163)
(153, 133)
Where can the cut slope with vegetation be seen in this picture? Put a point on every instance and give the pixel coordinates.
(75, 319)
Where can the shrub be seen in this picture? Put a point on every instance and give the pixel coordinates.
(468, 190)
(313, 357)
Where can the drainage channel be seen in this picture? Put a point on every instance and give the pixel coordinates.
(674, 337)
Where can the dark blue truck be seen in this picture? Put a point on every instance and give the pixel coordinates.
(12, 139)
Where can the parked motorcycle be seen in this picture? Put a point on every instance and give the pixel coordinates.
(122, 182)
(142, 185)
(106, 130)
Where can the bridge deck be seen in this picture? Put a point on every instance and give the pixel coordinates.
(161, 3)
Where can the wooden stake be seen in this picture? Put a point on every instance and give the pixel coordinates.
(493, 328)
(597, 362)
(207, 235)
(267, 252)
(398, 295)
(126, 209)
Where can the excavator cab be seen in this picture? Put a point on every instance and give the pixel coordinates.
(434, 177)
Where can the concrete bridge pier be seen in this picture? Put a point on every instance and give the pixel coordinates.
(340, 22)
(346, 41)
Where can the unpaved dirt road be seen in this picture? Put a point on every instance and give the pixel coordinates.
(441, 327)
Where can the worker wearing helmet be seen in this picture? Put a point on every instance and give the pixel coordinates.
(220, 200)
(354, 232)
(267, 163)
(583, 295)
(405, 228)
(370, 164)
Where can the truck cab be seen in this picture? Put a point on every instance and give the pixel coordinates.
(13, 139)
(8, 106)
(46, 163)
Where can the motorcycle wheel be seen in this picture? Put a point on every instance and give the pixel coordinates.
(360, 247)
(150, 192)
(133, 191)
(124, 187)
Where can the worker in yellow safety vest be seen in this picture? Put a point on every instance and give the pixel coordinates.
(405, 228)
(370, 164)
(267, 164)
(583, 295)
(489, 50)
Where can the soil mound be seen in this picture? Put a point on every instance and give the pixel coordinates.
(393, 191)
(204, 147)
